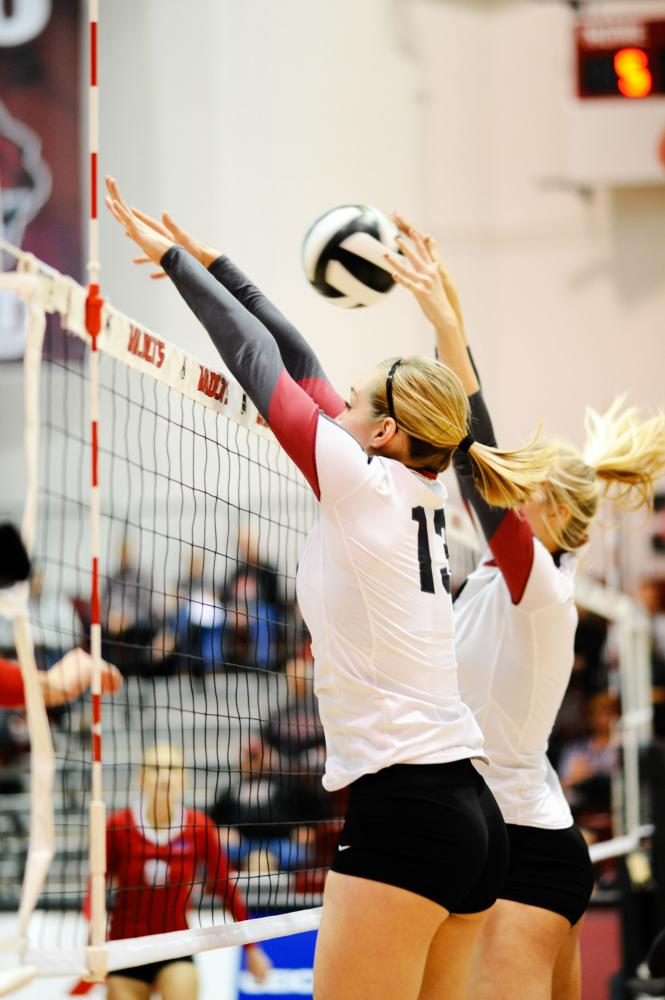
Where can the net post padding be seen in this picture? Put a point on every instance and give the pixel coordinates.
(42, 839)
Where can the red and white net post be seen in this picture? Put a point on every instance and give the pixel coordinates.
(96, 952)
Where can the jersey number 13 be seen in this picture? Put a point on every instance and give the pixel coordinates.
(419, 515)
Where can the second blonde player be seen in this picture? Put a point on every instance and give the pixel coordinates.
(515, 621)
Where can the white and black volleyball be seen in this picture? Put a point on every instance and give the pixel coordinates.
(343, 255)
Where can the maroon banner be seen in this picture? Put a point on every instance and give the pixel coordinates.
(40, 144)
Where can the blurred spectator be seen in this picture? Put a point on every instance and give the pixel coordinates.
(298, 743)
(588, 677)
(258, 810)
(255, 628)
(587, 765)
(127, 614)
(650, 594)
(193, 628)
(248, 565)
(251, 624)
(296, 734)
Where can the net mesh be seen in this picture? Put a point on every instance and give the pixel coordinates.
(202, 521)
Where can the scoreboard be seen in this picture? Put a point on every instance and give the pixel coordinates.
(616, 105)
(624, 60)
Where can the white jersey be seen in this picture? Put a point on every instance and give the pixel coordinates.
(373, 587)
(515, 662)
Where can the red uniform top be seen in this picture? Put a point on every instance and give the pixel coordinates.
(155, 871)
(11, 685)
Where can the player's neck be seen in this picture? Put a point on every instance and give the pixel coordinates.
(158, 815)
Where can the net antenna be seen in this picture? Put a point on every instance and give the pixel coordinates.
(97, 954)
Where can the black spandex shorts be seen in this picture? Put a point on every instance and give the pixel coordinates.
(550, 869)
(433, 829)
(148, 973)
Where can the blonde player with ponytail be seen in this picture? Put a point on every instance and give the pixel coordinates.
(515, 622)
(423, 850)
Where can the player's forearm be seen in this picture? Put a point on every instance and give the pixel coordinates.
(452, 351)
(251, 354)
(480, 427)
(245, 345)
(300, 360)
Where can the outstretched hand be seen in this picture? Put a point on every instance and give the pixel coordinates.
(166, 227)
(72, 675)
(152, 242)
(421, 271)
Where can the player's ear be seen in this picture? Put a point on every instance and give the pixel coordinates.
(383, 432)
(557, 512)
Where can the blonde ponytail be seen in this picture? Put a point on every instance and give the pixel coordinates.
(623, 456)
(511, 478)
(627, 453)
(428, 402)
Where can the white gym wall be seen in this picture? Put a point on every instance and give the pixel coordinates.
(247, 120)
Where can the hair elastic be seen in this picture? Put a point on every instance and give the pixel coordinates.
(389, 388)
(466, 442)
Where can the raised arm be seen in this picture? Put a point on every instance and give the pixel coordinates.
(251, 353)
(420, 271)
(299, 359)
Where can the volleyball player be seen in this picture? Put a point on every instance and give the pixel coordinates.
(70, 676)
(154, 849)
(515, 621)
(422, 852)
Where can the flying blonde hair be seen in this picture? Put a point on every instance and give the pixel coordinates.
(623, 456)
(430, 405)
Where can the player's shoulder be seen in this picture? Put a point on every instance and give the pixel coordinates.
(196, 820)
(121, 819)
(552, 579)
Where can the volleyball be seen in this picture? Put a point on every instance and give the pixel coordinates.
(343, 255)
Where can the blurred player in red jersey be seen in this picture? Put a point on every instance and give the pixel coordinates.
(154, 850)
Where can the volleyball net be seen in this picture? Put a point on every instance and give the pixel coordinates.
(200, 523)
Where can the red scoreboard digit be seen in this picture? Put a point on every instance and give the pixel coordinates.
(623, 59)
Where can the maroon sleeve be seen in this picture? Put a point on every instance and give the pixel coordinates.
(293, 418)
(512, 547)
(11, 685)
